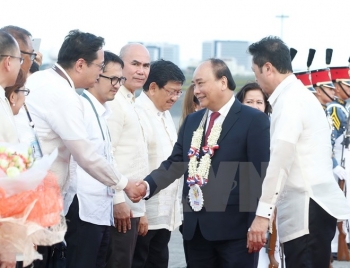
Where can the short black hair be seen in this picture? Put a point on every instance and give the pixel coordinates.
(111, 57)
(7, 43)
(221, 69)
(253, 86)
(17, 32)
(162, 72)
(79, 45)
(272, 49)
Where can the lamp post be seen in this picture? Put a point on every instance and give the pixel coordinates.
(282, 17)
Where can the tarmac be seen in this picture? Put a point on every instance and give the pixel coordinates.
(177, 256)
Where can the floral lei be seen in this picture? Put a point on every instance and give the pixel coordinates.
(198, 173)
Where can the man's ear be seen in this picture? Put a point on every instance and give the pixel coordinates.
(79, 64)
(13, 98)
(318, 91)
(337, 87)
(153, 87)
(6, 63)
(224, 83)
(268, 67)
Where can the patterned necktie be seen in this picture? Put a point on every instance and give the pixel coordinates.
(213, 116)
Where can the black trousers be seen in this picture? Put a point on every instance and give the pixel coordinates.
(185, 246)
(219, 254)
(87, 243)
(122, 246)
(312, 250)
(152, 250)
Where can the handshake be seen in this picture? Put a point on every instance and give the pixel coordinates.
(135, 190)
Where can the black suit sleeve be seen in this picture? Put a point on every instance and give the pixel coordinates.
(171, 169)
(258, 151)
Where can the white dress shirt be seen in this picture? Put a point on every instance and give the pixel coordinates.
(58, 114)
(129, 143)
(95, 199)
(8, 132)
(164, 210)
(223, 112)
(300, 165)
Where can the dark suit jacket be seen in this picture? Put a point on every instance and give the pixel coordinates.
(237, 170)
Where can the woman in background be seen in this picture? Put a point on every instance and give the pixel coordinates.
(252, 95)
(16, 93)
(190, 103)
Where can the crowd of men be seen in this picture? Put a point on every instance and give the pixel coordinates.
(128, 178)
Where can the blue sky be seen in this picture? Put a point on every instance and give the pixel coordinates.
(311, 24)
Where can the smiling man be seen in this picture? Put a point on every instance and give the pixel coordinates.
(89, 202)
(215, 218)
(164, 213)
(58, 114)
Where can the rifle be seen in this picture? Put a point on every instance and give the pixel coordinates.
(343, 251)
(271, 245)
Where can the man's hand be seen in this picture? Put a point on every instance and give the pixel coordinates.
(122, 215)
(4, 264)
(143, 226)
(135, 191)
(257, 234)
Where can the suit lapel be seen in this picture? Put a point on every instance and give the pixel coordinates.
(231, 119)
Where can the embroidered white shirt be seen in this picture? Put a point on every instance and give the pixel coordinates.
(164, 210)
(300, 164)
(129, 143)
(58, 114)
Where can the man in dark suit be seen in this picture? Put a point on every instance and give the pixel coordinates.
(222, 204)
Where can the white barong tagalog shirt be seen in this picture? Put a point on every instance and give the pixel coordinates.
(164, 210)
(300, 165)
(129, 143)
(58, 114)
(95, 199)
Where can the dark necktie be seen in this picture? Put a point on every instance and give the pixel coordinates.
(213, 116)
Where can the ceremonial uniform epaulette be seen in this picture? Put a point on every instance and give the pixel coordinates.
(337, 112)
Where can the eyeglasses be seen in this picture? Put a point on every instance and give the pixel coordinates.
(25, 91)
(101, 66)
(32, 55)
(115, 79)
(173, 93)
(20, 59)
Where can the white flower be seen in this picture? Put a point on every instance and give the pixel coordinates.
(202, 168)
(12, 172)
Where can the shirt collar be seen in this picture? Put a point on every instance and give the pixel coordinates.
(150, 105)
(288, 80)
(226, 108)
(2, 93)
(127, 94)
(69, 79)
(102, 110)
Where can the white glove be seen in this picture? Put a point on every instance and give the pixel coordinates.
(340, 173)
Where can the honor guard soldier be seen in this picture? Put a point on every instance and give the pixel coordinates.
(341, 80)
(325, 93)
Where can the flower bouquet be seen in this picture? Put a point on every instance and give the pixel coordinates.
(30, 204)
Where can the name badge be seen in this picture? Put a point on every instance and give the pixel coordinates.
(34, 144)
